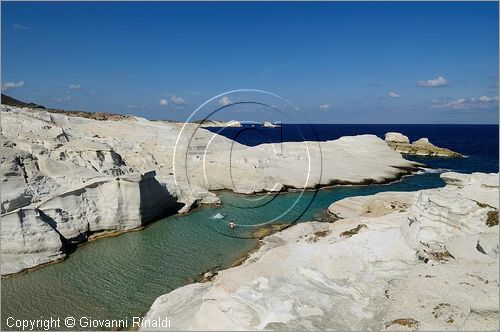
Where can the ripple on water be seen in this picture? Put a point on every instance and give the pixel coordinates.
(122, 276)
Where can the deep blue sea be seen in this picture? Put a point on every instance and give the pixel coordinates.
(478, 142)
(120, 277)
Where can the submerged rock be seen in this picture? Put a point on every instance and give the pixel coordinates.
(422, 147)
(413, 261)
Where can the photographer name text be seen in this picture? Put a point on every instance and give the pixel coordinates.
(52, 323)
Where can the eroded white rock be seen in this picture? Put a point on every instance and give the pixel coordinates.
(35, 234)
(396, 138)
(363, 272)
(27, 241)
(422, 147)
(85, 175)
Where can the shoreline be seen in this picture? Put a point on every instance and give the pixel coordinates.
(355, 168)
(102, 235)
(379, 233)
(99, 236)
(259, 234)
(409, 171)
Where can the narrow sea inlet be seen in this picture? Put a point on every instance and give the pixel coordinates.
(249, 166)
(120, 277)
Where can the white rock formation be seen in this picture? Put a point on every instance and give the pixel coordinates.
(272, 167)
(35, 234)
(396, 137)
(413, 264)
(48, 151)
(268, 124)
(422, 141)
(459, 209)
(422, 147)
(28, 241)
(372, 206)
(80, 175)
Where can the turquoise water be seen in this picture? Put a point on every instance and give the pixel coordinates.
(120, 277)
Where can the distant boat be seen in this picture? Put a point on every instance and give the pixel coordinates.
(268, 124)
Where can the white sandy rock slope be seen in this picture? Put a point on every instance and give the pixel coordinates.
(426, 260)
(65, 178)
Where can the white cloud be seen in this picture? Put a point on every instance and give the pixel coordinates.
(74, 86)
(433, 83)
(163, 102)
(224, 101)
(394, 95)
(178, 101)
(325, 106)
(469, 103)
(486, 99)
(61, 99)
(12, 85)
(18, 26)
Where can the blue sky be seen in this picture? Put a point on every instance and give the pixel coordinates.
(338, 62)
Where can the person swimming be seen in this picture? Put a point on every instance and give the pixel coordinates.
(232, 224)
